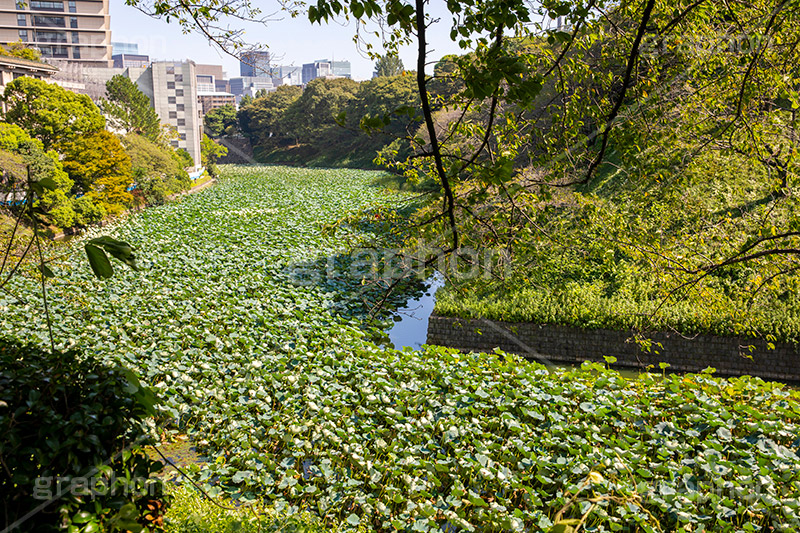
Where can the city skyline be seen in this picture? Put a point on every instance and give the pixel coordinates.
(288, 41)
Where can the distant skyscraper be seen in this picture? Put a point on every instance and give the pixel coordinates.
(255, 64)
(72, 30)
(322, 68)
(341, 68)
(124, 48)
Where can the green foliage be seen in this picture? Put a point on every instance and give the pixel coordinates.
(54, 202)
(221, 121)
(211, 151)
(157, 170)
(50, 113)
(333, 122)
(129, 109)
(21, 50)
(185, 158)
(192, 513)
(68, 418)
(289, 400)
(313, 114)
(263, 121)
(99, 167)
(388, 65)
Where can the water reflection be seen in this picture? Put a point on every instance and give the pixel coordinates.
(411, 330)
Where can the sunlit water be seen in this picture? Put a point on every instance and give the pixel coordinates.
(411, 326)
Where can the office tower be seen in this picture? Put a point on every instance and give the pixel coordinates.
(255, 64)
(73, 30)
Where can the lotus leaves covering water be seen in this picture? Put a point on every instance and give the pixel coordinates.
(279, 385)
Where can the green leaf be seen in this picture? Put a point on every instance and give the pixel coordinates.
(45, 270)
(99, 262)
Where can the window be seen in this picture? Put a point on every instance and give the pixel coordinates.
(170, 85)
(48, 22)
(76, 53)
(23, 35)
(182, 136)
(51, 37)
(181, 122)
(76, 38)
(181, 107)
(46, 6)
(72, 7)
(171, 99)
(179, 92)
(174, 143)
(73, 22)
(173, 114)
(21, 20)
(54, 51)
(170, 70)
(178, 77)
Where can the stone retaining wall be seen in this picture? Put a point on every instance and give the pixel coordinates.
(564, 344)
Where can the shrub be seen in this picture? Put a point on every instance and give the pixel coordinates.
(72, 433)
(190, 512)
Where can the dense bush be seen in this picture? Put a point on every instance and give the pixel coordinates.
(72, 432)
(190, 512)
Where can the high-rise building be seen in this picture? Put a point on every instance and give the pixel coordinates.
(317, 69)
(323, 68)
(73, 30)
(250, 85)
(124, 48)
(172, 88)
(255, 64)
(289, 75)
(341, 69)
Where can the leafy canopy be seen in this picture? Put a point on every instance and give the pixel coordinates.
(50, 113)
(129, 109)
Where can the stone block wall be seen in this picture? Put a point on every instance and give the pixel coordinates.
(731, 356)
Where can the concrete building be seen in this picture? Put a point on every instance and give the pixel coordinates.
(323, 68)
(255, 64)
(207, 76)
(12, 68)
(288, 75)
(74, 30)
(212, 100)
(317, 69)
(130, 60)
(341, 69)
(172, 88)
(84, 79)
(246, 85)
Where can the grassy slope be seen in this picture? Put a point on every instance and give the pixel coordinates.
(608, 267)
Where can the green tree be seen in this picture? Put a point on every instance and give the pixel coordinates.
(100, 169)
(55, 202)
(263, 120)
(211, 151)
(157, 170)
(221, 121)
(129, 109)
(312, 117)
(388, 65)
(21, 50)
(48, 112)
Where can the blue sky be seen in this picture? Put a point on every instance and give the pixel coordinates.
(295, 40)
